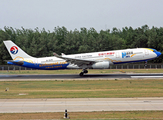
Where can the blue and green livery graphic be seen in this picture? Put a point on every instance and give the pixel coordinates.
(126, 54)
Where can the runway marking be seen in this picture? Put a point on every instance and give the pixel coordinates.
(146, 76)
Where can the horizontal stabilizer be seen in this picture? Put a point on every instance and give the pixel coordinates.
(15, 62)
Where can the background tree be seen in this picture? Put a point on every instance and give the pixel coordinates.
(42, 43)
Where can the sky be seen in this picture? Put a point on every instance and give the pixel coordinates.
(76, 14)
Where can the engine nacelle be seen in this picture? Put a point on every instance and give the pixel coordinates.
(101, 65)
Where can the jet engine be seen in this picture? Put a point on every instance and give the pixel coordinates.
(101, 65)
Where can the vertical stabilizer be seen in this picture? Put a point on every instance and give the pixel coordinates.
(15, 52)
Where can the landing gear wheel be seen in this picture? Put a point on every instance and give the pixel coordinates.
(85, 71)
(81, 74)
(145, 64)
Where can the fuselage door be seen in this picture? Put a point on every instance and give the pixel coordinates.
(117, 54)
(146, 52)
(36, 62)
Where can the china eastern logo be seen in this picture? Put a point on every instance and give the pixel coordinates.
(14, 50)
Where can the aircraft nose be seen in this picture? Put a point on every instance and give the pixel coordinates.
(158, 54)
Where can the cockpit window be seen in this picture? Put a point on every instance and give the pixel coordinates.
(154, 50)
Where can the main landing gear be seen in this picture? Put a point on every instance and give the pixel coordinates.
(145, 64)
(84, 71)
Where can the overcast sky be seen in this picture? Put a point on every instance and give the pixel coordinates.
(99, 14)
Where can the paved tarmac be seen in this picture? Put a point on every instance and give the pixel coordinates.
(76, 76)
(80, 105)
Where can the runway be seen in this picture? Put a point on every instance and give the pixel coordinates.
(76, 76)
(80, 105)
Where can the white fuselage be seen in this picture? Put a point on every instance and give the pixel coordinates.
(112, 57)
(95, 60)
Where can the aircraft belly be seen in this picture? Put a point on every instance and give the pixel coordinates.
(45, 66)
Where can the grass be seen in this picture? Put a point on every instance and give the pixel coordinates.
(130, 115)
(82, 89)
(77, 71)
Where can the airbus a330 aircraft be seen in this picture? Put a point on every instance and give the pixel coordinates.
(94, 60)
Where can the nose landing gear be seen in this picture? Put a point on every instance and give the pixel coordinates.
(83, 71)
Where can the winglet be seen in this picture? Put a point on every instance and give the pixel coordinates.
(62, 54)
(56, 55)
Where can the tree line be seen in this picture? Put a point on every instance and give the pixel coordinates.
(42, 43)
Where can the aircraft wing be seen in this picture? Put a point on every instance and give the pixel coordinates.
(78, 62)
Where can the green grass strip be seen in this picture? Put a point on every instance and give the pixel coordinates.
(82, 89)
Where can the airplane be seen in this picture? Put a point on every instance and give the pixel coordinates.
(84, 61)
